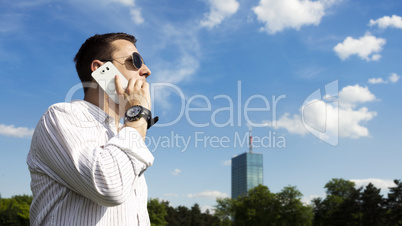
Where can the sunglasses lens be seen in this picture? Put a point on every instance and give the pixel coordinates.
(137, 60)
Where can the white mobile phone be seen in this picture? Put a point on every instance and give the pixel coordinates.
(104, 76)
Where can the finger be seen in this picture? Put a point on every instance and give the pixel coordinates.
(138, 84)
(130, 85)
(145, 85)
(119, 88)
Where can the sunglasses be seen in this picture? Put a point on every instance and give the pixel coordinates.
(136, 59)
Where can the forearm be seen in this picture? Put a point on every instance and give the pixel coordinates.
(140, 126)
(103, 173)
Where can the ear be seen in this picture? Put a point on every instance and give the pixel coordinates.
(96, 64)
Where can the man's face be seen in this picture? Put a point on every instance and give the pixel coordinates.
(123, 60)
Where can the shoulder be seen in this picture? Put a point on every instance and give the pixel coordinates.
(71, 113)
(67, 107)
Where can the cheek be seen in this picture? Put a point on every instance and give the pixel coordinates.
(132, 74)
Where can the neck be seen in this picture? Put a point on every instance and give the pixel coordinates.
(98, 98)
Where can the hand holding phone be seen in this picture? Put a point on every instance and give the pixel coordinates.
(105, 77)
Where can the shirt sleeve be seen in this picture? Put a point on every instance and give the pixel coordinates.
(84, 160)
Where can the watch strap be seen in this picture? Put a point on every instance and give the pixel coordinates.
(152, 121)
(147, 115)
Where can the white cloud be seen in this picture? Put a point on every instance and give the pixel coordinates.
(350, 96)
(365, 47)
(278, 15)
(376, 81)
(386, 21)
(340, 119)
(394, 78)
(178, 68)
(211, 209)
(135, 12)
(219, 10)
(375, 57)
(125, 2)
(173, 74)
(350, 122)
(378, 183)
(307, 199)
(291, 124)
(208, 194)
(185, 67)
(136, 16)
(11, 130)
(176, 172)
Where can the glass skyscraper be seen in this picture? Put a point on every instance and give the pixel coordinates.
(247, 173)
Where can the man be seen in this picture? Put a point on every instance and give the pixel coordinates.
(85, 168)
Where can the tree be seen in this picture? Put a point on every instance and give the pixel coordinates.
(340, 188)
(225, 208)
(258, 207)
(184, 216)
(349, 212)
(293, 212)
(372, 206)
(172, 216)
(394, 204)
(340, 207)
(320, 211)
(211, 220)
(202, 219)
(261, 207)
(15, 211)
(196, 217)
(157, 212)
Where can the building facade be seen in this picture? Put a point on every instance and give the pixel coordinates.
(247, 173)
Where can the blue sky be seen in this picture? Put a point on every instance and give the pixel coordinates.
(317, 80)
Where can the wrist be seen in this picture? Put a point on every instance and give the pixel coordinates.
(137, 112)
(140, 125)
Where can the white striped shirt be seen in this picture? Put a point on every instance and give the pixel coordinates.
(85, 173)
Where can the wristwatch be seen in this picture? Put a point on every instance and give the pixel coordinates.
(137, 112)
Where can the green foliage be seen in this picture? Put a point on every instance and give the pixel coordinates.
(15, 211)
(372, 206)
(157, 212)
(293, 211)
(225, 208)
(340, 188)
(394, 204)
(261, 207)
(340, 207)
(343, 205)
(258, 206)
(346, 205)
(160, 213)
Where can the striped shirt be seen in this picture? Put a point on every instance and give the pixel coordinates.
(84, 172)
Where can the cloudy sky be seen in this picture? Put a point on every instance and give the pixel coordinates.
(317, 81)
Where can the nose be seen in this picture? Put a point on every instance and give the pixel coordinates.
(145, 71)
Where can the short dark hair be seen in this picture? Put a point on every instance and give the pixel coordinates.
(96, 47)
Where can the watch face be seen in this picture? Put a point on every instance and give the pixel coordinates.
(134, 111)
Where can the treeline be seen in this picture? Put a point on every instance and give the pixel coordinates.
(161, 213)
(344, 204)
(347, 205)
(15, 211)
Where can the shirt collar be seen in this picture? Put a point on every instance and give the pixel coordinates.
(94, 110)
